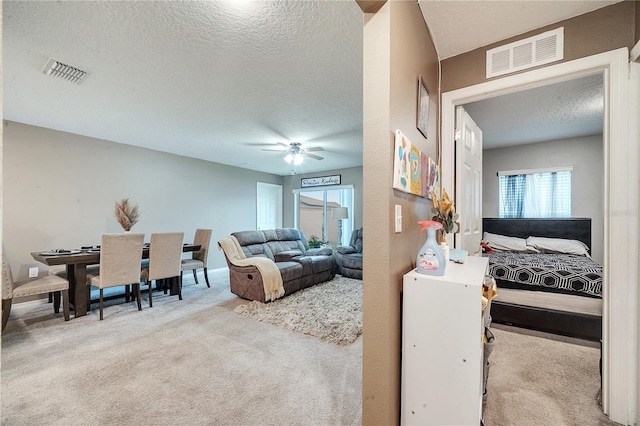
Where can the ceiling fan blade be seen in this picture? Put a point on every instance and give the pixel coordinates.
(271, 149)
(284, 144)
(314, 148)
(317, 157)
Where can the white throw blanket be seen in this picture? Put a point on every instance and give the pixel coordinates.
(271, 278)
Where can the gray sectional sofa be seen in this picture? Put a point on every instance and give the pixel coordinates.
(349, 258)
(299, 266)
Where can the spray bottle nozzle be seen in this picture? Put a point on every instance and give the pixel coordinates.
(429, 224)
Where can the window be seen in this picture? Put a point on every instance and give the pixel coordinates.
(535, 193)
(313, 213)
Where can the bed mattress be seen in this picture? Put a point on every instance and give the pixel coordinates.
(549, 272)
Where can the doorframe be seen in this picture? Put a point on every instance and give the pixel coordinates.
(620, 302)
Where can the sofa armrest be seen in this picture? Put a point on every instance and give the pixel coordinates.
(321, 251)
(346, 249)
(286, 256)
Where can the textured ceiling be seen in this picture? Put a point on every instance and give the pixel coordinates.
(462, 26)
(221, 80)
(206, 79)
(557, 111)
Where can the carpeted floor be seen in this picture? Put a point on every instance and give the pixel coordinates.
(190, 362)
(197, 362)
(537, 379)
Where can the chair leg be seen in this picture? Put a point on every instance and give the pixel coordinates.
(195, 276)
(149, 282)
(50, 297)
(6, 310)
(56, 302)
(206, 277)
(127, 294)
(180, 286)
(139, 296)
(101, 294)
(65, 304)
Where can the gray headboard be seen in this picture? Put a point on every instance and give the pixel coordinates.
(570, 228)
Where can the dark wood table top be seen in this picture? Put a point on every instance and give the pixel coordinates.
(89, 256)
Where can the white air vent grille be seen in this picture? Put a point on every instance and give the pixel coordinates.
(528, 53)
(64, 71)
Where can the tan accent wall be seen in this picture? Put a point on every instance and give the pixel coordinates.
(602, 30)
(637, 7)
(397, 49)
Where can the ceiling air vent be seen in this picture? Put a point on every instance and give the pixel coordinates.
(528, 53)
(64, 71)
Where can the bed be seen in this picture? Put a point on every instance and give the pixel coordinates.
(549, 291)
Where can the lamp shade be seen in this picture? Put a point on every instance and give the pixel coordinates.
(339, 213)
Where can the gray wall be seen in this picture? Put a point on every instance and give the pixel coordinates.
(60, 188)
(587, 179)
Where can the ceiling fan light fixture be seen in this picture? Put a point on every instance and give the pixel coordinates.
(294, 158)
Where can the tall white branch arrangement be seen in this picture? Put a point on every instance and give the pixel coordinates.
(127, 214)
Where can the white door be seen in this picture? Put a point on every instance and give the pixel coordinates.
(269, 206)
(468, 196)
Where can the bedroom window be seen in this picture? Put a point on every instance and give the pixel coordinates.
(535, 193)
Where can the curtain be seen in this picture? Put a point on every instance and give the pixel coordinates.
(537, 195)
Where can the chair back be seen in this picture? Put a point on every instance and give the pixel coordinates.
(165, 255)
(120, 257)
(7, 278)
(203, 239)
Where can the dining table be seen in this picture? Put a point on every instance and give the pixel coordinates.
(76, 262)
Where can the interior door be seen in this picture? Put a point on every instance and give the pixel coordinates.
(468, 195)
(269, 206)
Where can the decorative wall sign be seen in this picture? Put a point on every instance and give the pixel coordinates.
(320, 181)
(423, 107)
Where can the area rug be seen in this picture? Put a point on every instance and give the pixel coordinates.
(330, 311)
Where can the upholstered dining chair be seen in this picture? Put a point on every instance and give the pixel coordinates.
(48, 284)
(199, 258)
(165, 254)
(120, 257)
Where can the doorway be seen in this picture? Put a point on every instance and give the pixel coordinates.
(619, 345)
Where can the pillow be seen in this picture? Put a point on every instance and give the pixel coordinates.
(505, 243)
(558, 245)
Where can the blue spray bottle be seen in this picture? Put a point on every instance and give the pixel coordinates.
(430, 259)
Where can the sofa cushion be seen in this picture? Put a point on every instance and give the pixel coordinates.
(285, 256)
(246, 238)
(288, 234)
(352, 261)
(289, 270)
(345, 249)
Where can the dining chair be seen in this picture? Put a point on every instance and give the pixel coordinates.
(199, 258)
(165, 254)
(48, 284)
(120, 257)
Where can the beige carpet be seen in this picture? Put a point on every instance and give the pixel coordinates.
(542, 381)
(330, 311)
(189, 362)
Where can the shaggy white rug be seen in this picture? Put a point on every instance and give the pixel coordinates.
(331, 311)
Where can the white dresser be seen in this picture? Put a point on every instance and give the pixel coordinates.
(442, 349)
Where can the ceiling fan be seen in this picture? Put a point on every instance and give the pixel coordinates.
(296, 153)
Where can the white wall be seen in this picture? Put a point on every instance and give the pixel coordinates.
(60, 189)
(587, 179)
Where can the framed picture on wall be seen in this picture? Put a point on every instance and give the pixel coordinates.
(423, 107)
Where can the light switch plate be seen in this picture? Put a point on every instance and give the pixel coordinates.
(33, 272)
(398, 218)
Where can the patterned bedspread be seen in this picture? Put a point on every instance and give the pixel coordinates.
(563, 273)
